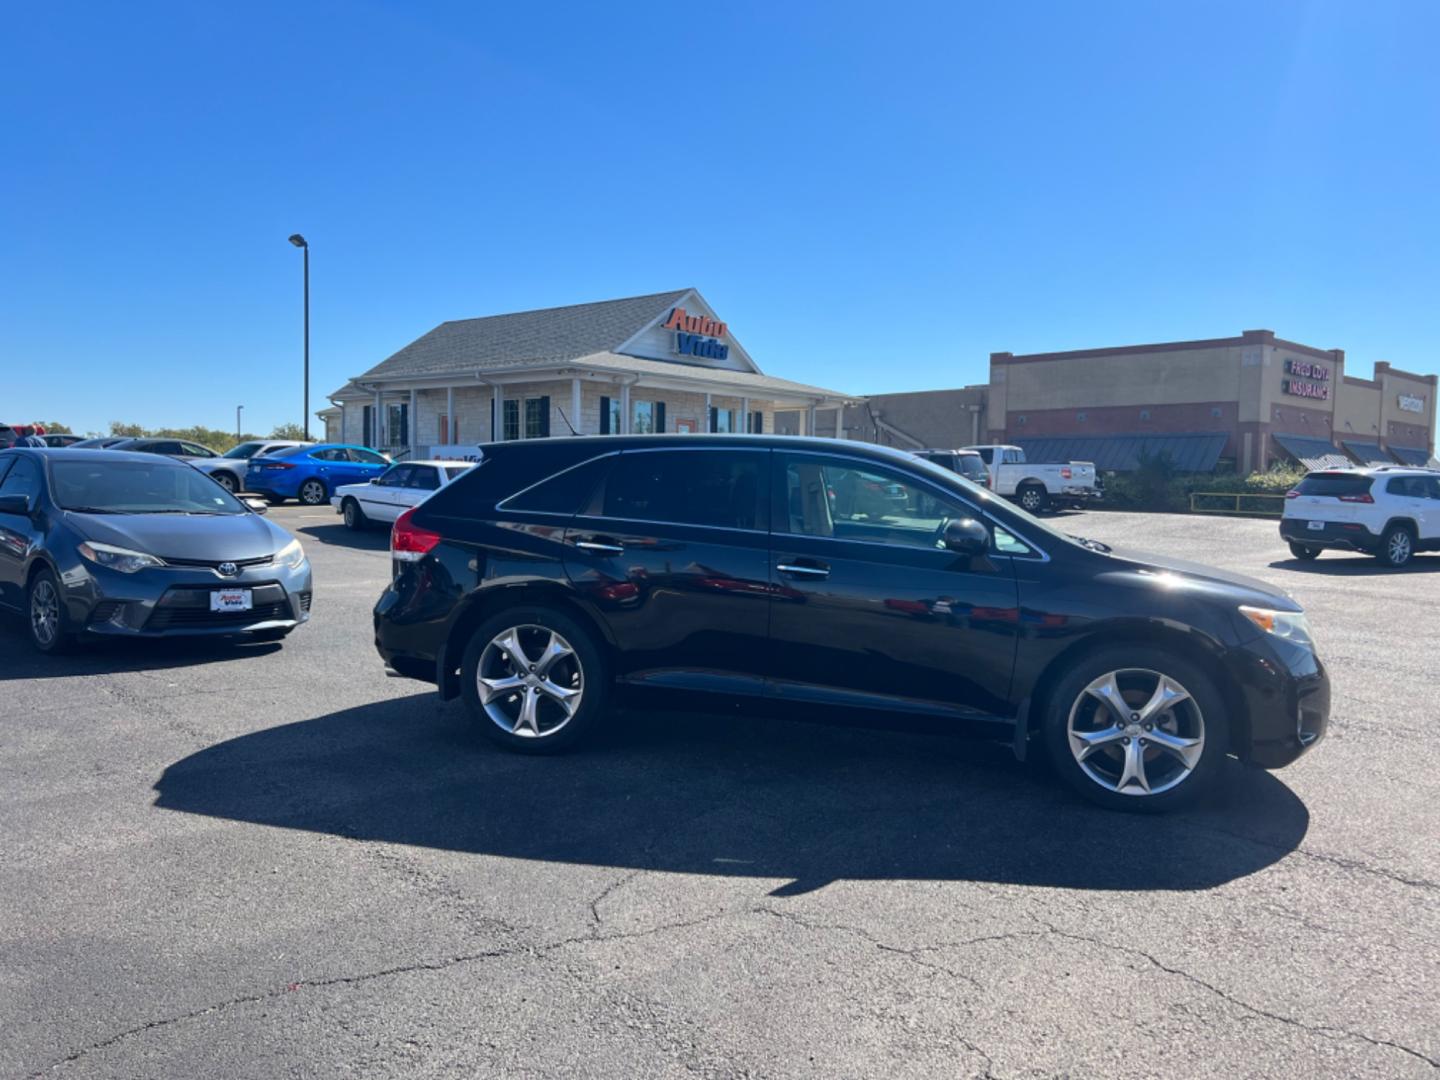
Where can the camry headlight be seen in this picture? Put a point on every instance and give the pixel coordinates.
(1291, 626)
(117, 558)
(291, 555)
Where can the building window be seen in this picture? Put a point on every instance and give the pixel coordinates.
(609, 416)
(723, 421)
(512, 420)
(757, 423)
(397, 424)
(647, 417)
(1144, 414)
(537, 418)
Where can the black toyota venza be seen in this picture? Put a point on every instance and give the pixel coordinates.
(838, 579)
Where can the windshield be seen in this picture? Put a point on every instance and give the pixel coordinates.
(244, 450)
(288, 451)
(138, 487)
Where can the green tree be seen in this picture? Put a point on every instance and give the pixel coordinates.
(288, 431)
(54, 427)
(131, 431)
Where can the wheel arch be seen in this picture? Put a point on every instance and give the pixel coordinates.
(485, 603)
(1408, 523)
(1197, 648)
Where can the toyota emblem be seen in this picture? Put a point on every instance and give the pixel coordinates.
(228, 569)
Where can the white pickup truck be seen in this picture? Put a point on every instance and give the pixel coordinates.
(1038, 488)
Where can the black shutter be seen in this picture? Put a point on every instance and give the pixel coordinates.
(367, 420)
(757, 423)
(545, 417)
(713, 413)
(494, 437)
(659, 417)
(604, 415)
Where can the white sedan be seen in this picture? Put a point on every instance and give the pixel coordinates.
(394, 491)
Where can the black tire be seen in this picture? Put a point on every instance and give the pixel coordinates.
(275, 500)
(226, 480)
(1032, 498)
(355, 519)
(279, 633)
(46, 593)
(1397, 546)
(554, 734)
(1304, 552)
(1110, 760)
(312, 492)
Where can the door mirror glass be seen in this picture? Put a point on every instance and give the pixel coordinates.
(966, 536)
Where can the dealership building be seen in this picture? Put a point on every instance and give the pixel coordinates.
(1244, 403)
(644, 364)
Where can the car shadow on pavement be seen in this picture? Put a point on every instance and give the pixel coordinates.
(700, 794)
(373, 538)
(18, 660)
(1357, 566)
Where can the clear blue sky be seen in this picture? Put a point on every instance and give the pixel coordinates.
(874, 196)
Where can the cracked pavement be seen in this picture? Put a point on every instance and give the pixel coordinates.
(265, 861)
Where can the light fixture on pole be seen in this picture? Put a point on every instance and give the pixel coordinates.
(299, 242)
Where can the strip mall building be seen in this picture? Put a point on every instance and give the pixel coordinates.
(1243, 403)
(659, 363)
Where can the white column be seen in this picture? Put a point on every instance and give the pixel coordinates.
(625, 409)
(450, 416)
(497, 414)
(745, 415)
(840, 423)
(575, 406)
(705, 420)
(342, 424)
(414, 425)
(378, 433)
(810, 420)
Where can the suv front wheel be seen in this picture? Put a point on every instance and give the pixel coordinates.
(535, 680)
(1136, 728)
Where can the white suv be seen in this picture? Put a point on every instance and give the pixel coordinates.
(1388, 512)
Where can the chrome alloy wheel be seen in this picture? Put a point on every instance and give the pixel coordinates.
(1030, 500)
(44, 613)
(312, 493)
(1399, 547)
(530, 681)
(1136, 732)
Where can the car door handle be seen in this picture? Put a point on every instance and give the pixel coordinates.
(819, 570)
(602, 544)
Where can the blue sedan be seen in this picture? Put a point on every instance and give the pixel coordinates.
(311, 473)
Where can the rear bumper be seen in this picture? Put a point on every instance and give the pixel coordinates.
(1335, 534)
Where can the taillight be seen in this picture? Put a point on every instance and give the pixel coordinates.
(1293, 493)
(1365, 498)
(409, 542)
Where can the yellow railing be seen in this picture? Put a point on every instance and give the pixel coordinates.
(1231, 502)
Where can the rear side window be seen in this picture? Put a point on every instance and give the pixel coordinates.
(452, 471)
(1334, 485)
(424, 478)
(972, 468)
(1411, 487)
(716, 488)
(563, 493)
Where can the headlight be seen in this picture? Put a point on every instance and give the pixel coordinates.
(291, 555)
(117, 558)
(1290, 626)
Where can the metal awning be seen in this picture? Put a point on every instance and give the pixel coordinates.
(1410, 455)
(1197, 452)
(1313, 453)
(1366, 453)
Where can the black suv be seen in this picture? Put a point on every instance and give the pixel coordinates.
(829, 578)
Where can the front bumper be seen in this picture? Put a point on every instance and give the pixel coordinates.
(1335, 534)
(175, 601)
(1285, 693)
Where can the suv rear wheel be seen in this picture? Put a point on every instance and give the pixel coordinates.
(1136, 728)
(535, 680)
(1396, 546)
(1304, 552)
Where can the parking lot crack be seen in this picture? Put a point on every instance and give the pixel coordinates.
(618, 883)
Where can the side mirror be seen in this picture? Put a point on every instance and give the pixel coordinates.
(966, 536)
(375, 479)
(256, 506)
(15, 504)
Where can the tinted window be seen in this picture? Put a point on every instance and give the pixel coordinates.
(424, 478)
(832, 497)
(244, 450)
(719, 488)
(1411, 487)
(396, 476)
(6, 460)
(138, 487)
(196, 450)
(973, 468)
(565, 492)
(327, 455)
(987, 455)
(1334, 484)
(452, 471)
(364, 457)
(22, 479)
(291, 451)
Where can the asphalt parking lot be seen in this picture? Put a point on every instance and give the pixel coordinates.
(271, 860)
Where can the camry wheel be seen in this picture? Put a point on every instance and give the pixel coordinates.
(534, 679)
(47, 614)
(354, 516)
(1305, 552)
(312, 492)
(1397, 546)
(1137, 729)
(225, 480)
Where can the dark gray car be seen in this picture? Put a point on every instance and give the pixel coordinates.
(111, 544)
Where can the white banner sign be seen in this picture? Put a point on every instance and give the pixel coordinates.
(455, 453)
(1411, 403)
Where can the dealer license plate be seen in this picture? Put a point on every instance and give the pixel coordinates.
(1316, 526)
(231, 600)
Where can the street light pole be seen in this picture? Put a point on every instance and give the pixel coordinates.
(299, 241)
(238, 410)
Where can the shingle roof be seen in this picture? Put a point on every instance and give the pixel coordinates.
(1196, 452)
(526, 338)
